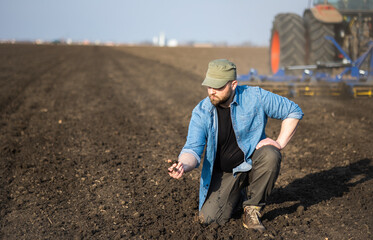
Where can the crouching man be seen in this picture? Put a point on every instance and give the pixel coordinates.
(230, 124)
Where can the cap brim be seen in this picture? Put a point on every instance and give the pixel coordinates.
(214, 83)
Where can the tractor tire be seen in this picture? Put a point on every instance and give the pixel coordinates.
(318, 48)
(287, 46)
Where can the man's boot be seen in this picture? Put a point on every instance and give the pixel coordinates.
(251, 218)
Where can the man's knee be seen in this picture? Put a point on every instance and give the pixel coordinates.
(211, 214)
(208, 219)
(203, 219)
(268, 156)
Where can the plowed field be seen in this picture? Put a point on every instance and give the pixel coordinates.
(85, 132)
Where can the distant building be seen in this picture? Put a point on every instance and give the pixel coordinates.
(162, 41)
(172, 43)
(39, 41)
(203, 45)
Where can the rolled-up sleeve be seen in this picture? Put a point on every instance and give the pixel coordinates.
(196, 139)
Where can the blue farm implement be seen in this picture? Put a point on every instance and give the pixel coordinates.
(355, 78)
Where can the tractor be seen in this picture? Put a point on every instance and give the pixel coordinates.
(297, 40)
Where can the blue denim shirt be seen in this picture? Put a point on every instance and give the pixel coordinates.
(250, 110)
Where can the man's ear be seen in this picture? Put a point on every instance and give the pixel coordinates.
(234, 84)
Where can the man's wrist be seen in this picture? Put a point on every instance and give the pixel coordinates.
(279, 144)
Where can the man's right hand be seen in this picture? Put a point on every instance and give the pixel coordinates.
(176, 170)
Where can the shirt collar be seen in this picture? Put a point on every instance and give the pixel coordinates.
(235, 98)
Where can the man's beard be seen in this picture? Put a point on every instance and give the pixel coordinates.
(218, 101)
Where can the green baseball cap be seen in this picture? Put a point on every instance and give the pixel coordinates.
(219, 72)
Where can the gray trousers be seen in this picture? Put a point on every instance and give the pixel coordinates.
(249, 188)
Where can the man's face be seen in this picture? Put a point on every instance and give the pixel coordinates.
(220, 96)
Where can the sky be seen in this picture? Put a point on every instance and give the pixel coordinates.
(135, 21)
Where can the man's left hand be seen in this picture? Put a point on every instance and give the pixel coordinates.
(268, 141)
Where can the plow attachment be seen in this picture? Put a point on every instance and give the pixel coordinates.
(293, 86)
(361, 90)
(356, 78)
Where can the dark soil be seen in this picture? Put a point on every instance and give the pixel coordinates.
(86, 131)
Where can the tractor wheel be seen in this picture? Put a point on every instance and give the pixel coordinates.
(287, 42)
(318, 49)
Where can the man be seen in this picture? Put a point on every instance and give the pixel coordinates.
(230, 125)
